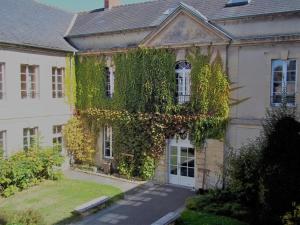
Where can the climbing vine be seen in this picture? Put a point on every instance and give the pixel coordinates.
(70, 80)
(143, 110)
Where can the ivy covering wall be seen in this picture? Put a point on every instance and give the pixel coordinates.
(143, 110)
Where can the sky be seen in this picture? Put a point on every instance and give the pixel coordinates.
(81, 5)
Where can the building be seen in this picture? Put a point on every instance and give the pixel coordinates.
(258, 41)
(32, 66)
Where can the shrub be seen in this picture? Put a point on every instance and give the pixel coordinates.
(219, 202)
(189, 217)
(26, 217)
(293, 217)
(25, 169)
(265, 175)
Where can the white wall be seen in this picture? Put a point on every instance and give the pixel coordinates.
(42, 112)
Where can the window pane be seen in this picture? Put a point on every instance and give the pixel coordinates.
(174, 150)
(107, 152)
(191, 163)
(173, 170)
(291, 65)
(277, 87)
(59, 71)
(23, 86)
(31, 69)
(290, 88)
(290, 99)
(191, 152)
(173, 160)
(183, 171)
(23, 77)
(191, 172)
(291, 76)
(23, 94)
(277, 76)
(276, 99)
(23, 69)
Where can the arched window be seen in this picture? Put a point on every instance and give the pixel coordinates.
(183, 81)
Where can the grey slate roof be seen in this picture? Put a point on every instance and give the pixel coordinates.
(151, 14)
(27, 22)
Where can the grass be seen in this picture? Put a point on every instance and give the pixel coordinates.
(189, 217)
(55, 200)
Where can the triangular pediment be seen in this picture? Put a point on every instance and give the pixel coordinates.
(184, 26)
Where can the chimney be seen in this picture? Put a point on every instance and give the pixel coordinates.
(108, 4)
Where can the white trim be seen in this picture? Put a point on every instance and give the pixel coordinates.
(28, 82)
(178, 179)
(56, 83)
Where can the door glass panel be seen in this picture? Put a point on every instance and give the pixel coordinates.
(173, 170)
(191, 163)
(173, 160)
(191, 153)
(173, 150)
(183, 171)
(191, 172)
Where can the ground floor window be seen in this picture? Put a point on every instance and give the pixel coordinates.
(3, 143)
(30, 137)
(107, 142)
(284, 76)
(57, 137)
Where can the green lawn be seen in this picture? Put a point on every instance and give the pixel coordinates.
(189, 217)
(55, 200)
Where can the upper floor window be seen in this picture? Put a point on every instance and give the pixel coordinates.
(2, 84)
(183, 81)
(57, 137)
(29, 81)
(284, 74)
(30, 137)
(3, 143)
(58, 82)
(110, 78)
(107, 142)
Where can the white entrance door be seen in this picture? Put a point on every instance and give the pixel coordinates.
(181, 162)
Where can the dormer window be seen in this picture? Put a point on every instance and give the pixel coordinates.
(232, 3)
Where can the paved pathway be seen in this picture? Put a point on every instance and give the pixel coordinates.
(142, 206)
(122, 184)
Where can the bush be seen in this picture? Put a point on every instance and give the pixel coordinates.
(219, 202)
(26, 169)
(189, 217)
(293, 217)
(265, 175)
(26, 217)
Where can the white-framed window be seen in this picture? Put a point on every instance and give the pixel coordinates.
(183, 81)
(58, 75)
(30, 137)
(107, 142)
(3, 149)
(57, 137)
(2, 80)
(29, 81)
(284, 77)
(110, 80)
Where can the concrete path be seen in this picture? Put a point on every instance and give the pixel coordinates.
(122, 184)
(142, 206)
